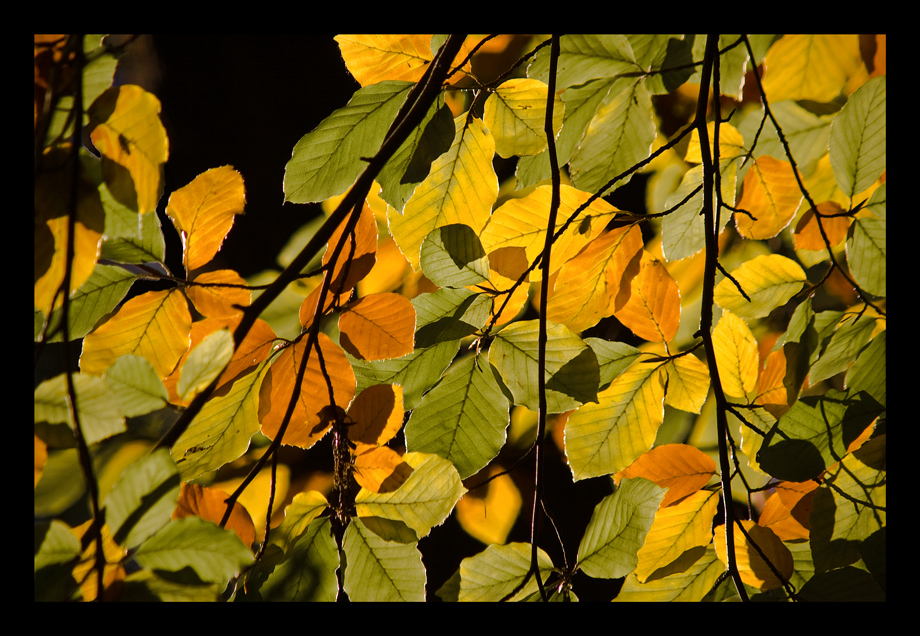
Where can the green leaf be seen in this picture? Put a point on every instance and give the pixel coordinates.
(618, 527)
(869, 372)
(216, 555)
(867, 254)
(494, 573)
(585, 57)
(613, 357)
(449, 314)
(423, 501)
(381, 571)
(96, 298)
(768, 281)
(55, 543)
(205, 362)
(136, 386)
(143, 498)
(462, 419)
(326, 161)
(96, 406)
(452, 256)
(815, 433)
(572, 371)
(858, 142)
(844, 346)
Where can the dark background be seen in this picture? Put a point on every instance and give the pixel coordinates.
(246, 101)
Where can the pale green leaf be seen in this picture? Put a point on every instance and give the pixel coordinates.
(381, 571)
(867, 254)
(858, 142)
(843, 347)
(870, 371)
(768, 281)
(449, 314)
(97, 408)
(307, 572)
(585, 57)
(143, 498)
(452, 256)
(495, 572)
(136, 386)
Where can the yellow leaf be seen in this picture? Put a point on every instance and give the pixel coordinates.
(731, 143)
(688, 383)
(378, 327)
(254, 497)
(461, 188)
(681, 468)
(506, 265)
(489, 516)
(130, 137)
(515, 114)
(203, 213)
(312, 415)
(652, 308)
(604, 438)
(771, 195)
(380, 469)
(768, 281)
(737, 356)
(811, 67)
(155, 325)
(374, 58)
(376, 414)
(586, 283)
(521, 222)
(219, 293)
(753, 569)
(84, 572)
(675, 530)
(210, 504)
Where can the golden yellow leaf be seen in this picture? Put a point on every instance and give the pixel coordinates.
(312, 415)
(813, 67)
(388, 272)
(374, 58)
(506, 265)
(461, 188)
(376, 414)
(752, 567)
(768, 281)
(515, 114)
(731, 143)
(586, 283)
(676, 529)
(210, 504)
(489, 516)
(219, 293)
(521, 222)
(737, 357)
(132, 140)
(808, 234)
(681, 468)
(155, 325)
(84, 572)
(652, 308)
(688, 383)
(771, 195)
(380, 469)
(378, 327)
(203, 212)
(254, 497)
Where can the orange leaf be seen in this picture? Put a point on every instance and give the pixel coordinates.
(752, 567)
(681, 468)
(772, 392)
(808, 234)
(779, 518)
(312, 415)
(155, 325)
(358, 254)
(203, 213)
(380, 469)
(210, 505)
(652, 308)
(378, 327)
(376, 414)
(218, 301)
(771, 195)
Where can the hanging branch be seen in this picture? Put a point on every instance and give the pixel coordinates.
(710, 167)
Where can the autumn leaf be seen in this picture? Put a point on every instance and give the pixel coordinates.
(377, 327)
(358, 254)
(203, 212)
(811, 67)
(754, 570)
(688, 383)
(770, 198)
(380, 469)
(210, 504)
(219, 293)
(808, 232)
(515, 114)
(652, 307)
(681, 468)
(376, 415)
(768, 281)
(375, 58)
(737, 357)
(490, 516)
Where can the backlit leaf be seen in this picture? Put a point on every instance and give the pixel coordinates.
(376, 414)
(380, 468)
(808, 233)
(449, 314)
(210, 504)
(688, 383)
(326, 161)
(136, 386)
(303, 509)
(572, 372)
(496, 571)
(205, 362)
(604, 438)
(461, 188)
(680, 468)
(731, 143)
(155, 325)
(490, 515)
(203, 212)
(379, 570)
(652, 308)
(452, 256)
(691, 584)
(375, 58)
(311, 416)
(618, 529)
(129, 135)
(143, 498)
(423, 501)
(515, 114)
(812, 67)
(358, 254)
(737, 356)
(586, 57)
(97, 408)
(462, 419)
(768, 280)
(770, 195)
(219, 293)
(867, 254)
(754, 570)
(378, 326)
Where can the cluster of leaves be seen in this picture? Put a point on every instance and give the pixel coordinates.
(451, 316)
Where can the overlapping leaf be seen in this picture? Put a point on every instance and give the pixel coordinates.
(210, 504)
(680, 468)
(737, 357)
(376, 58)
(378, 326)
(495, 572)
(652, 307)
(770, 197)
(810, 67)
(754, 570)
(768, 281)
(515, 114)
(379, 570)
